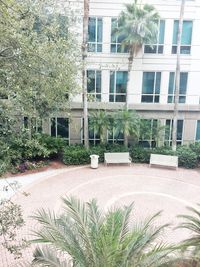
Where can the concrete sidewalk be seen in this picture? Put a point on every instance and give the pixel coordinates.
(151, 190)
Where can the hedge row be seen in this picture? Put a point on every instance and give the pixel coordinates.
(189, 157)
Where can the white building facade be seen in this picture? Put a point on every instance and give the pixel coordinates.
(152, 76)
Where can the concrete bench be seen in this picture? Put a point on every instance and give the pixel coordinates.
(164, 160)
(122, 157)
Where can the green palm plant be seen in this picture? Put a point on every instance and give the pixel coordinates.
(89, 238)
(127, 121)
(192, 244)
(99, 121)
(138, 23)
(152, 131)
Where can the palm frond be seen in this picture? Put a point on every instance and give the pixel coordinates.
(78, 212)
(48, 257)
(61, 233)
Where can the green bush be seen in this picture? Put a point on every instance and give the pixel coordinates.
(164, 150)
(140, 154)
(186, 157)
(196, 149)
(54, 146)
(19, 148)
(101, 149)
(76, 155)
(116, 148)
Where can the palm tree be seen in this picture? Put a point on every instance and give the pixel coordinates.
(100, 123)
(127, 121)
(84, 71)
(177, 76)
(89, 238)
(152, 131)
(139, 24)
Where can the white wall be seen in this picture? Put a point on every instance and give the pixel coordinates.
(168, 10)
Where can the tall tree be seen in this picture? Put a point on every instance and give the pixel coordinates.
(38, 56)
(84, 71)
(94, 239)
(139, 24)
(177, 75)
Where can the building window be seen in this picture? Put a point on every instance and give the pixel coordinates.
(60, 127)
(148, 130)
(94, 85)
(182, 87)
(33, 124)
(151, 87)
(157, 48)
(186, 37)
(115, 136)
(93, 134)
(118, 84)
(169, 129)
(198, 131)
(95, 34)
(116, 40)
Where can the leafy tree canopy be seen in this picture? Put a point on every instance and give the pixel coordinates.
(38, 56)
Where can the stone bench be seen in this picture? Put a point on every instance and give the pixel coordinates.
(115, 158)
(164, 160)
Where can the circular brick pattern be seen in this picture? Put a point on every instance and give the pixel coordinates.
(151, 190)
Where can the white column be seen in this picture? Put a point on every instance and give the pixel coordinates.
(106, 34)
(169, 25)
(105, 85)
(164, 87)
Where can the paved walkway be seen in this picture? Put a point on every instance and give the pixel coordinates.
(151, 190)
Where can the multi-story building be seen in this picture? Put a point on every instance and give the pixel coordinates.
(152, 77)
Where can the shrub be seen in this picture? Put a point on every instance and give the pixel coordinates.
(98, 150)
(54, 146)
(140, 154)
(196, 149)
(76, 155)
(164, 150)
(4, 166)
(186, 157)
(116, 148)
(101, 149)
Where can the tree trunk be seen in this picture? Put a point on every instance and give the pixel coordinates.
(177, 77)
(125, 140)
(84, 71)
(130, 64)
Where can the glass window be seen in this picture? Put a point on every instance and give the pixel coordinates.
(169, 129)
(147, 136)
(186, 37)
(118, 84)
(94, 85)
(60, 127)
(95, 34)
(151, 87)
(115, 136)
(116, 40)
(33, 124)
(158, 47)
(198, 131)
(93, 134)
(182, 88)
